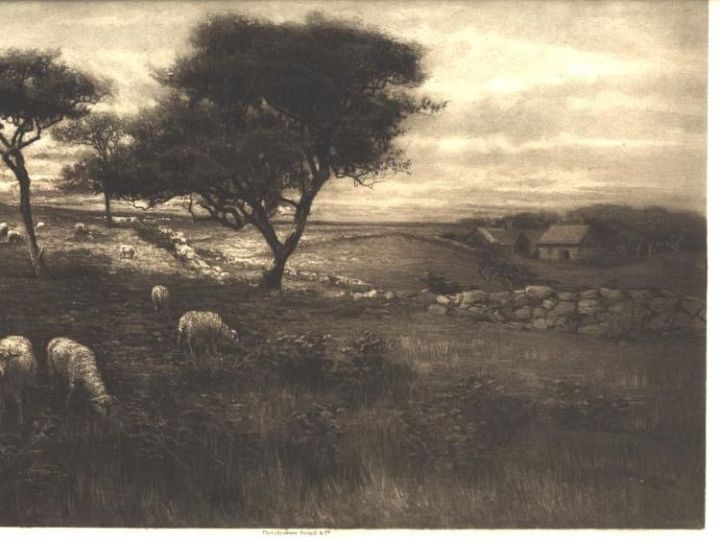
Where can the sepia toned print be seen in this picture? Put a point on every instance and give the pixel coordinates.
(353, 265)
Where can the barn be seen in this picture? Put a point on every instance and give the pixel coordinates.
(568, 242)
(510, 241)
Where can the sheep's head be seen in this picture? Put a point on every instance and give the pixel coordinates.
(101, 405)
(231, 336)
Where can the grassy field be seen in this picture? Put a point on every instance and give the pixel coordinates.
(443, 423)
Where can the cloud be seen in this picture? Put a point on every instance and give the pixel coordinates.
(550, 102)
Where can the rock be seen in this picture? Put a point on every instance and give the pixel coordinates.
(621, 307)
(567, 296)
(473, 297)
(539, 292)
(541, 323)
(524, 313)
(497, 317)
(390, 295)
(563, 308)
(334, 293)
(692, 305)
(683, 320)
(520, 300)
(639, 296)
(588, 306)
(356, 296)
(539, 312)
(589, 294)
(603, 316)
(567, 324)
(611, 294)
(499, 297)
(667, 293)
(515, 325)
(372, 294)
(405, 294)
(442, 300)
(357, 285)
(588, 321)
(659, 322)
(438, 309)
(549, 303)
(661, 305)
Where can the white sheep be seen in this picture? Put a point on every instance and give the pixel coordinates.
(14, 236)
(18, 370)
(160, 296)
(204, 328)
(39, 225)
(4, 229)
(127, 252)
(74, 366)
(81, 229)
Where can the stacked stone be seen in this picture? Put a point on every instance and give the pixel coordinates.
(602, 311)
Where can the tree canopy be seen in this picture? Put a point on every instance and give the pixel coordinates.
(98, 170)
(263, 115)
(37, 91)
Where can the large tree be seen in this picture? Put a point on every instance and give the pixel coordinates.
(266, 114)
(97, 171)
(37, 91)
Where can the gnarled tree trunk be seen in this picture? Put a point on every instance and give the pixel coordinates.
(17, 164)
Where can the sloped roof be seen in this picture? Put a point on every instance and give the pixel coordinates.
(533, 235)
(501, 236)
(564, 234)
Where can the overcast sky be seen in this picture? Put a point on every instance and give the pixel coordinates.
(550, 103)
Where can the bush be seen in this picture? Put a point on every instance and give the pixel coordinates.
(367, 372)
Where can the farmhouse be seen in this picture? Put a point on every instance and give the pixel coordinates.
(568, 242)
(511, 241)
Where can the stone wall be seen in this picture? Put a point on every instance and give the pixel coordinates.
(603, 311)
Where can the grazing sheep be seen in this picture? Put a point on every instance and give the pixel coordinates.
(4, 229)
(81, 229)
(204, 328)
(160, 299)
(18, 369)
(127, 252)
(14, 236)
(74, 365)
(39, 225)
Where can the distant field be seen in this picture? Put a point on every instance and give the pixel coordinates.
(498, 428)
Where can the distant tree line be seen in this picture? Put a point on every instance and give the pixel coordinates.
(626, 233)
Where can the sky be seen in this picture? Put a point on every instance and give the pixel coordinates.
(551, 104)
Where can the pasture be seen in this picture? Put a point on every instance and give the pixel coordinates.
(424, 422)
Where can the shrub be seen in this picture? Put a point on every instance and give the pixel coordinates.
(367, 372)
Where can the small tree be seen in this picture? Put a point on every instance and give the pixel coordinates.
(36, 92)
(97, 172)
(267, 114)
